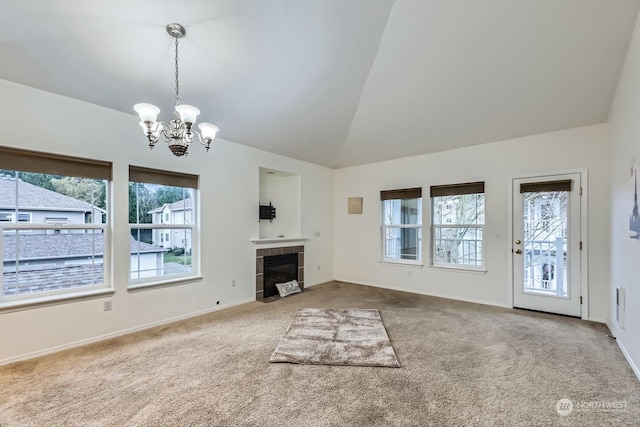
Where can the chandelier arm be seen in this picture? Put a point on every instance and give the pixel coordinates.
(204, 141)
(161, 131)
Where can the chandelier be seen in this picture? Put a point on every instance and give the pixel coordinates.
(178, 133)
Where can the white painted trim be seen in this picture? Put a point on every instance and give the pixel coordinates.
(309, 285)
(278, 239)
(437, 295)
(584, 236)
(54, 299)
(629, 359)
(59, 348)
(598, 320)
(141, 284)
(459, 269)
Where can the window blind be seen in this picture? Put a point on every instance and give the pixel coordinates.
(53, 164)
(161, 177)
(456, 189)
(537, 187)
(407, 193)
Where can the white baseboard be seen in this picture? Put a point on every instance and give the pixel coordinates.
(62, 347)
(627, 356)
(308, 285)
(598, 319)
(431, 294)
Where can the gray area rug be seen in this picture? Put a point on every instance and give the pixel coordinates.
(352, 337)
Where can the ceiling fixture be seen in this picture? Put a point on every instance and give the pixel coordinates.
(178, 133)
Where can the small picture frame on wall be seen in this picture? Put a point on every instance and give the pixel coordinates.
(354, 205)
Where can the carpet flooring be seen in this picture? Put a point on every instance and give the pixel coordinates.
(351, 337)
(463, 364)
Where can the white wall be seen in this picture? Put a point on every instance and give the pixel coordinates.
(37, 120)
(624, 137)
(357, 237)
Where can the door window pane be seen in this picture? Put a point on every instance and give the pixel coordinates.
(545, 243)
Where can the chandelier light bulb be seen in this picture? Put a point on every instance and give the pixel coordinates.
(147, 112)
(208, 130)
(188, 113)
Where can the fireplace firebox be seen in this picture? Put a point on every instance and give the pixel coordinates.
(279, 269)
(282, 263)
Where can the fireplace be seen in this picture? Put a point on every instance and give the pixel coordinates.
(279, 269)
(278, 265)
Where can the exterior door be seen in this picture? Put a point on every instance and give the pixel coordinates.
(546, 244)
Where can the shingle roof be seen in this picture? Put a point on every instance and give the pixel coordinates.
(68, 276)
(175, 206)
(37, 198)
(73, 245)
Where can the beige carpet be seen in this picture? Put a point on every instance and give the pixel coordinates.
(463, 364)
(354, 337)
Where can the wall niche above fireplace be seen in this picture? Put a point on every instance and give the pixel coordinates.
(281, 189)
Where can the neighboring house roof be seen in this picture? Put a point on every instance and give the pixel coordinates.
(61, 246)
(69, 276)
(180, 205)
(32, 197)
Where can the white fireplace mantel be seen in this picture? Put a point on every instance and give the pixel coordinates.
(276, 240)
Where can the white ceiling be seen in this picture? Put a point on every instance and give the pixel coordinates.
(333, 82)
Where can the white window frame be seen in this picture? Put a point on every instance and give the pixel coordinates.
(386, 227)
(55, 294)
(14, 216)
(449, 225)
(144, 282)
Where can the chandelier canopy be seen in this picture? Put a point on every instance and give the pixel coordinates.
(178, 133)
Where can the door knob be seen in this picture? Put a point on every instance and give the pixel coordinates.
(518, 251)
(518, 242)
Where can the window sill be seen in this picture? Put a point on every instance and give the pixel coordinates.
(141, 286)
(403, 263)
(43, 301)
(460, 269)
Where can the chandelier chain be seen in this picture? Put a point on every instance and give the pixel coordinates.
(177, 83)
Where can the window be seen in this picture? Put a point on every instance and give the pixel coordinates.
(402, 225)
(60, 220)
(52, 197)
(457, 224)
(11, 216)
(153, 258)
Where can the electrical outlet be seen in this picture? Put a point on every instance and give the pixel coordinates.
(409, 273)
(107, 306)
(317, 234)
(233, 283)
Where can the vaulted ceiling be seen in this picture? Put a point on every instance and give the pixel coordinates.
(333, 82)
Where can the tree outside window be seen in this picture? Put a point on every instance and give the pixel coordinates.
(457, 224)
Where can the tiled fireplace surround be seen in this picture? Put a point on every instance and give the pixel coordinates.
(261, 253)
